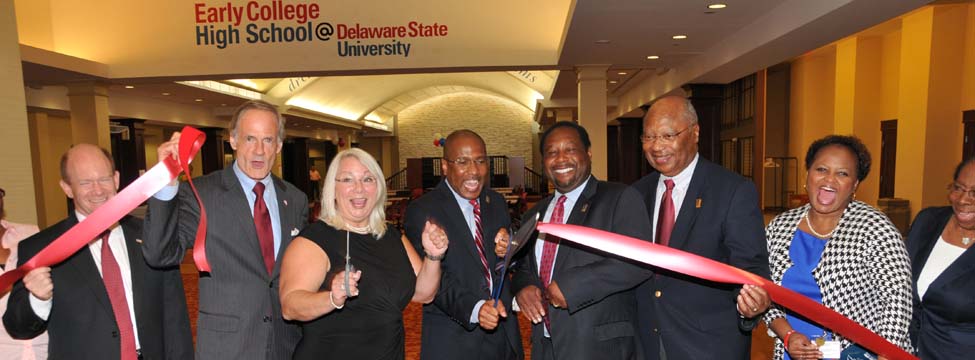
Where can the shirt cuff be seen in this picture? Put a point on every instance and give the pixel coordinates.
(477, 310)
(42, 308)
(167, 193)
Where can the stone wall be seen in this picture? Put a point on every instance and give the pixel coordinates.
(505, 125)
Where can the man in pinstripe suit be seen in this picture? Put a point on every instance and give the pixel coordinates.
(239, 308)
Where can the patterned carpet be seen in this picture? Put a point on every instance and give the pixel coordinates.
(412, 317)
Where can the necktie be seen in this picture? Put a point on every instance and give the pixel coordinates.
(665, 218)
(262, 221)
(548, 250)
(479, 242)
(112, 276)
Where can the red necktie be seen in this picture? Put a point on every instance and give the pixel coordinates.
(479, 242)
(548, 250)
(665, 218)
(112, 276)
(262, 221)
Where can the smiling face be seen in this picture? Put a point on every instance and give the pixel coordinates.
(961, 201)
(567, 161)
(355, 192)
(256, 144)
(831, 179)
(91, 180)
(666, 118)
(468, 179)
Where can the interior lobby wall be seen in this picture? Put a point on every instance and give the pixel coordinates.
(505, 126)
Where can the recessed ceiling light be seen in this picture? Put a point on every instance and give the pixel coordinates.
(612, 81)
(717, 6)
(223, 104)
(679, 37)
(621, 73)
(165, 94)
(603, 42)
(129, 87)
(198, 100)
(652, 57)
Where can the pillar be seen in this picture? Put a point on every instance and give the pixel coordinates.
(89, 114)
(211, 153)
(16, 174)
(592, 114)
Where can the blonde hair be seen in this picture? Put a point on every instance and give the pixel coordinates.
(330, 215)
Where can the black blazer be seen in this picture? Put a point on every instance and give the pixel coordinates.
(81, 324)
(943, 323)
(239, 305)
(727, 226)
(600, 322)
(447, 330)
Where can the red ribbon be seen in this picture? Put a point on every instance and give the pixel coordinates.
(120, 205)
(704, 268)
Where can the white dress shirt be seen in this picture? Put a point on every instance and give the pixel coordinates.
(681, 182)
(116, 241)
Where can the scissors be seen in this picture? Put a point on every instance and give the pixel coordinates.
(515, 244)
(348, 265)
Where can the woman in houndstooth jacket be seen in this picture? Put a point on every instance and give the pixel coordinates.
(840, 252)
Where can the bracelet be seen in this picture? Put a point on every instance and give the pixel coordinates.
(435, 258)
(786, 340)
(333, 301)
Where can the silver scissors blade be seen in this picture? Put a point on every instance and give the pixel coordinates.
(348, 264)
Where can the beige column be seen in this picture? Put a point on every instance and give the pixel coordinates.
(563, 115)
(386, 151)
(89, 114)
(16, 174)
(592, 113)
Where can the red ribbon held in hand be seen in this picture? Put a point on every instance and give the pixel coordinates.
(120, 205)
(707, 269)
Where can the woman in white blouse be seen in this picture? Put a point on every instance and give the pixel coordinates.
(939, 244)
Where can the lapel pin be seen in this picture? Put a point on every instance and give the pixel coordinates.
(294, 232)
(697, 204)
(138, 241)
(487, 200)
(584, 207)
(286, 203)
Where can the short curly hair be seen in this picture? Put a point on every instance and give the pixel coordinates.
(849, 142)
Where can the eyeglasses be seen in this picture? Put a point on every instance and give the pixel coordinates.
(958, 190)
(464, 162)
(665, 138)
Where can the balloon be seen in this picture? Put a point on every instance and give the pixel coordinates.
(436, 142)
(437, 135)
(443, 141)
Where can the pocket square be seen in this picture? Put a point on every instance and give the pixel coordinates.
(138, 241)
(294, 232)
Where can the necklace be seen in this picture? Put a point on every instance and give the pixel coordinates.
(822, 236)
(357, 229)
(966, 240)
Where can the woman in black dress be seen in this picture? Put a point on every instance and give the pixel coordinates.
(363, 319)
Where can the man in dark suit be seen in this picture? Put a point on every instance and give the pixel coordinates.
(463, 321)
(581, 301)
(103, 302)
(252, 217)
(702, 208)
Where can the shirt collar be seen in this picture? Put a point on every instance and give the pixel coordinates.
(246, 181)
(684, 176)
(573, 195)
(463, 202)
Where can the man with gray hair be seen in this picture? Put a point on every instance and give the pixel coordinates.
(252, 216)
(702, 208)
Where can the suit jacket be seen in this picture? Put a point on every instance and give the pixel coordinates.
(943, 323)
(600, 321)
(727, 226)
(463, 283)
(82, 324)
(239, 308)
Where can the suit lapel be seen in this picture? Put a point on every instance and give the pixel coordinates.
(688, 209)
(86, 272)
(137, 268)
(962, 266)
(651, 198)
(454, 215)
(539, 209)
(285, 209)
(933, 230)
(236, 203)
(577, 217)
